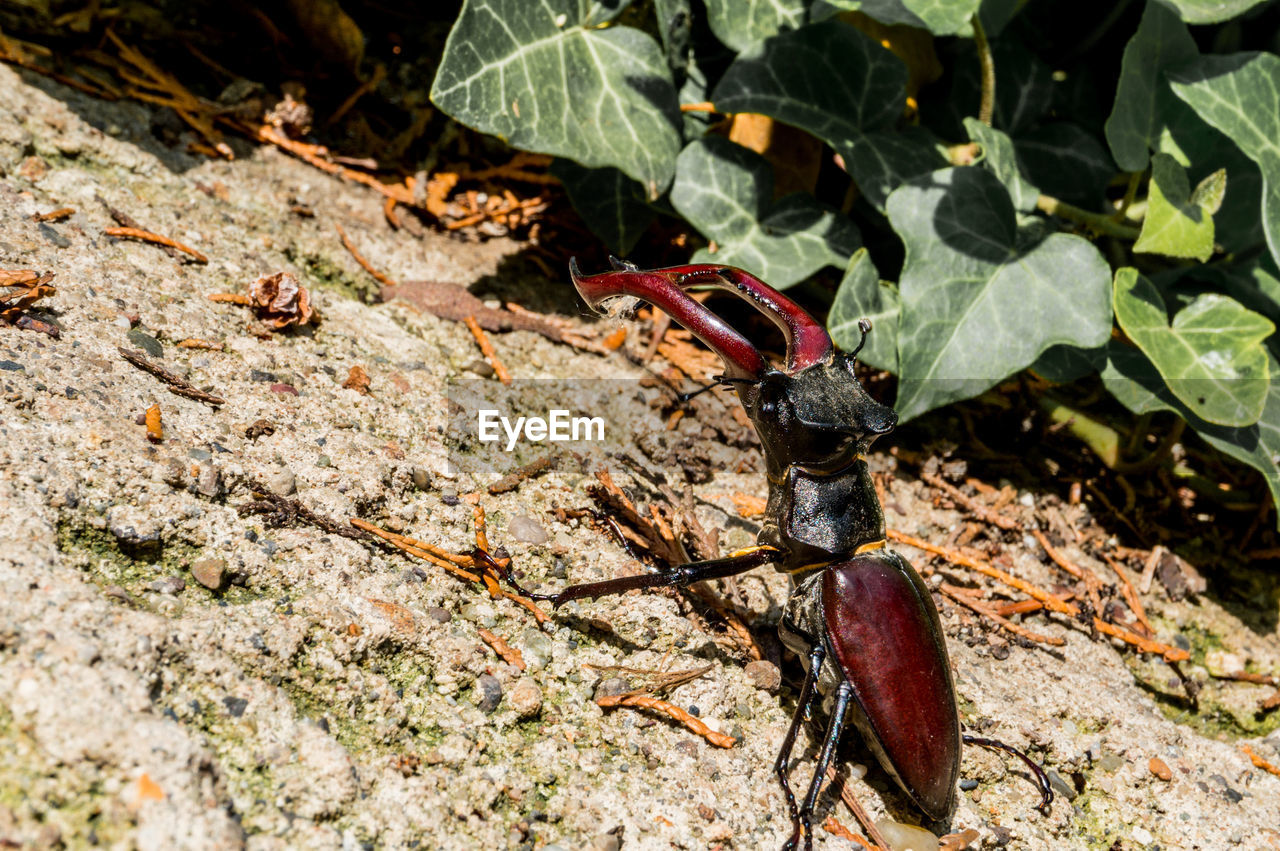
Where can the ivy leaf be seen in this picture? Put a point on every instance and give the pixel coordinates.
(611, 204)
(982, 299)
(940, 17)
(536, 76)
(1137, 119)
(1135, 381)
(834, 82)
(1239, 95)
(740, 25)
(1064, 364)
(1203, 150)
(1212, 11)
(726, 192)
(999, 158)
(1064, 160)
(885, 160)
(862, 295)
(829, 79)
(1211, 357)
(1179, 223)
(1255, 284)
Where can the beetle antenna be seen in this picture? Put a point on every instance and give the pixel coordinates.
(721, 381)
(864, 325)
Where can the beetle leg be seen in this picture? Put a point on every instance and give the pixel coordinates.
(844, 695)
(685, 574)
(808, 692)
(1042, 779)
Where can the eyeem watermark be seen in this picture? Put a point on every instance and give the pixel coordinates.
(557, 426)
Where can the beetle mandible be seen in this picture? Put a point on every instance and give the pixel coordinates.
(859, 617)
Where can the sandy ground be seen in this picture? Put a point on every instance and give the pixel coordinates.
(330, 693)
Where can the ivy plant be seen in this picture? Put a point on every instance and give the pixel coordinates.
(1042, 193)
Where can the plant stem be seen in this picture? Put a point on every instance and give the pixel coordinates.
(1097, 221)
(1130, 192)
(987, 106)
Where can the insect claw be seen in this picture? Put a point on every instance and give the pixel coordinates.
(622, 265)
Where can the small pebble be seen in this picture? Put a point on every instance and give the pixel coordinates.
(906, 837)
(1142, 836)
(421, 479)
(167, 585)
(284, 388)
(968, 784)
(1160, 769)
(209, 482)
(612, 687)
(763, 674)
(235, 705)
(259, 375)
(146, 342)
(488, 693)
(283, 482)
(209, 572)
(324, 461)
(524, 528)
(480, 367)
(439, 615)
(1060, 785)
(526, 698)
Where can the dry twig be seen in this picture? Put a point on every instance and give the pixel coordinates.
(486, 348)
(148, 236)
(177, 385)
(509, 654)
(671, 711)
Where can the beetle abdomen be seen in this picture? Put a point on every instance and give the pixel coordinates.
(884, 633)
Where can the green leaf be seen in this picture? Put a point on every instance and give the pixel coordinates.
(862, 295)
(1255, 284)
(1066, 162)
(1212, 11)
(1240, 96)
(1136, 120)
(1134, 380)
(1064, 364)
(600, 12)
(1211, 357)
(836, 83)
(940, 17)
(1175, 224)
(828, 78)
(885, 160)
(726, 192)
(1203, 150)
(613, 205)
(740, 25)
(534, 75)
(999, 158)
(982, 299)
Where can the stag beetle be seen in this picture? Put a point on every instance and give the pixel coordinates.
(860, 618)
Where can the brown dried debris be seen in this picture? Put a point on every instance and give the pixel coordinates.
(509, 654)
(357, 380)
(280, 511)
(671, 711)
(155, 238)
(26, 287)
(278, 300)
(177, 385)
